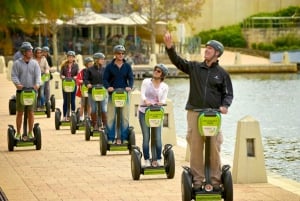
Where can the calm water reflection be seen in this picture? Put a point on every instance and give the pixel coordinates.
(273, 100)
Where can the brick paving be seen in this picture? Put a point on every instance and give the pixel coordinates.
(70, 168)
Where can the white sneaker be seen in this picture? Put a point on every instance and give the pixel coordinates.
(147, 163)
(160, 163)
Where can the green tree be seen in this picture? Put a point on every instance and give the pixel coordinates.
(167, 11)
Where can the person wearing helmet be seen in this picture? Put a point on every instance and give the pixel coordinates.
(154, 91)
(42, 61)
(25, 73)
(69, 69)
(18, 53)
(94, 76)
(210, 87)
(46, 54)
(118, 74)
(88, 62)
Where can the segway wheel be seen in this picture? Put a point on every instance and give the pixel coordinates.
(227, 184)
(57, 119)
(103, 144)
(52, 100)
(131, 139)
(186, 186)
(38, 137)
(87, 129)
(73, 124)
(12, 106)
(170, 164)
(48, 110)
(135, 164)
(10, 139)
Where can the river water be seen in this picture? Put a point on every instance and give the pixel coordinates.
(273, 100)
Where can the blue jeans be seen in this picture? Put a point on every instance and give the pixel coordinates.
(156, 149)
(112, 120)
(41, 96)
(65, 104)
(93, 104)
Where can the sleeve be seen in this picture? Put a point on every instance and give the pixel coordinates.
(180, 63)
(227, 95)
(164, 94)
(14, 74)
(143, 89)
(106, 76)
(130, 77)
(37, 74)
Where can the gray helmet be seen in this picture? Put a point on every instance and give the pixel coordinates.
(45, 49)
(71, 53)
(119, 48)
(26, 46)
(88, 60)
(37, 49)
(216, 45)
(163, 68)
(98, 55)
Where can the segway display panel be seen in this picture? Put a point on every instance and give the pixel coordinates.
(98, 93)
(28, 97)
(209, 123)
(119, 98)
(45, 78)
(68, 85)
(154, 116)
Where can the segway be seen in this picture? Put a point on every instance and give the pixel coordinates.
(12, 105)
(27, 97)
(154, 117)
(47, 110)
(68, 85)
(209, 122)
(98, 95)
(119, 99)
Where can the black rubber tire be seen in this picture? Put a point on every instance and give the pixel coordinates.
(10, 139)
(131, 139)
(170, 164)
(228, 186)
(48, 110)
(12, 106)
(87, 132)
(57, 119)
(135, 165)
(186, 186)
(73, 123)
(52, 100)
(38, 137)
(103, 144)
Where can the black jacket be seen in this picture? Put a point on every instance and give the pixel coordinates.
(93, 76)
(210, 87)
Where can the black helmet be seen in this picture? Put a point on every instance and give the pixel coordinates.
(98, 55)
(71, 53)
(37, 49)
(88, 60)
(163, 68)
(119, 48)
(216, 45)
(45, 49)
(26, 46)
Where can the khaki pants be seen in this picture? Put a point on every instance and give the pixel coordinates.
(196, 143)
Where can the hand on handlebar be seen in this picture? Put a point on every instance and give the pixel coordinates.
(223, 110)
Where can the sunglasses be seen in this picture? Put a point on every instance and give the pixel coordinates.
(157, 70)
(120, 53)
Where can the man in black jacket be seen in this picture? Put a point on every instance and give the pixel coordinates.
(210, 87)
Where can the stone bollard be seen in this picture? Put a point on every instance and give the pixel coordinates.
(153, 60)
(249, 162)
(237, 59)
(56, 86)
(168, 131)
(9, 67)
(2, 64)
(285, 59)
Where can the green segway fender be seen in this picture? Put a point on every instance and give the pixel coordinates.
(84, 91)
(45, 78)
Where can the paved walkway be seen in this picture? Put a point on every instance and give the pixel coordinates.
(70, 168)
